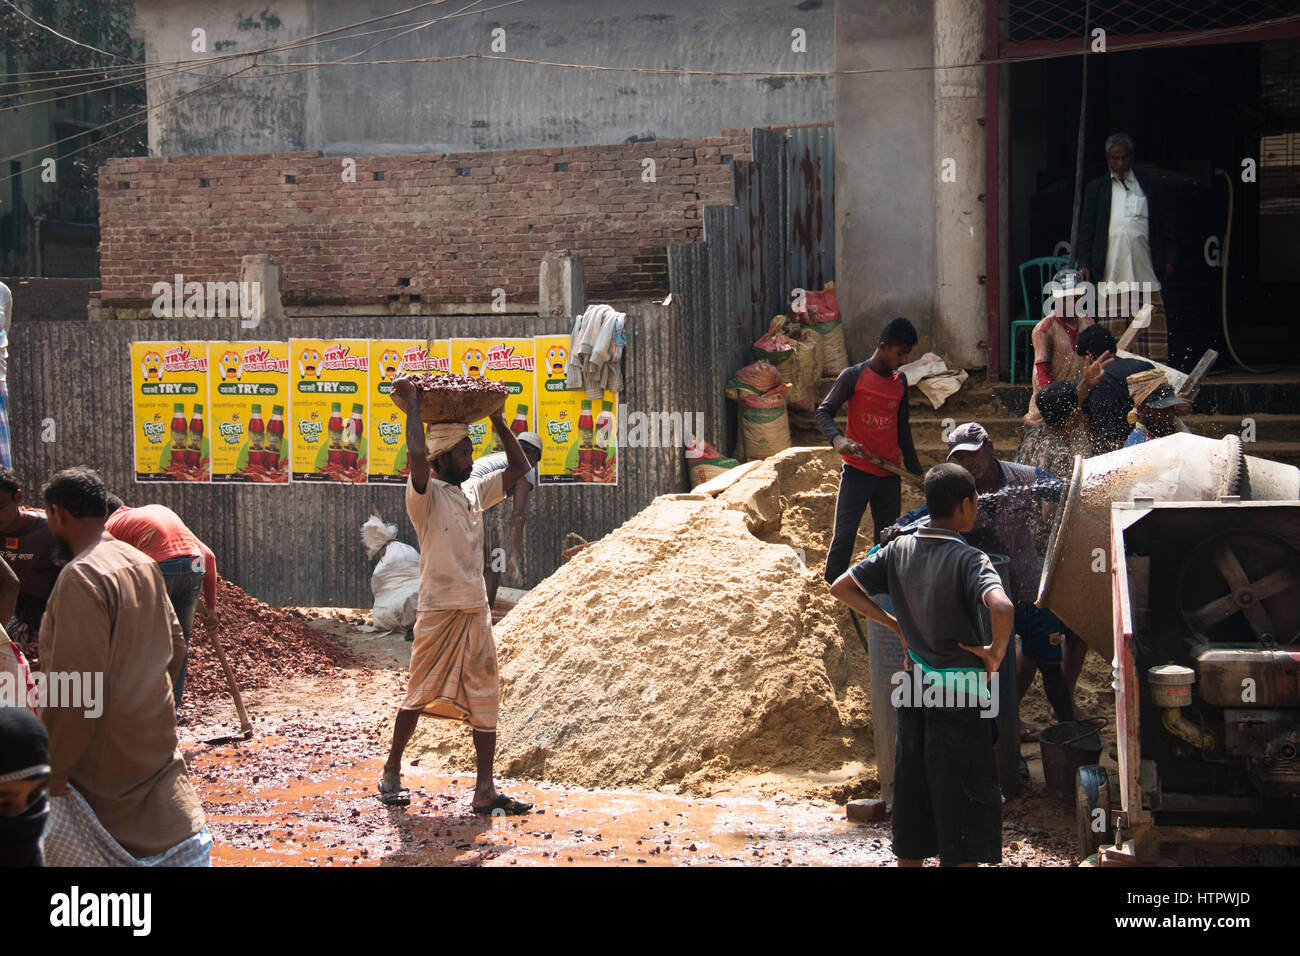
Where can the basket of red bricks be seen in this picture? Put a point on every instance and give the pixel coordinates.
(449, 398)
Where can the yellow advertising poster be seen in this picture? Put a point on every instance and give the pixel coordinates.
(579, 435)
(328, 410)
(387, 435)
(510, 361)
(169, 389)
(250, 411)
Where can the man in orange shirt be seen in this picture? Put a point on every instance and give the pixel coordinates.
(27, 545)
(878, 425)
(187, 564)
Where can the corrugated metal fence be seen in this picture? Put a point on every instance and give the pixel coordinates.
(778, 234)
(301, 545)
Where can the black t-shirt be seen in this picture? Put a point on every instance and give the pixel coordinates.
(31, 553)
(1108, 404)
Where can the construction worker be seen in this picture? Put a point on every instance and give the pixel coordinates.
(188, 566)
(877, 426)
(453, 658)
(519, 494)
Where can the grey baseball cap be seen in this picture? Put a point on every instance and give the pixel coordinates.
(968, 437)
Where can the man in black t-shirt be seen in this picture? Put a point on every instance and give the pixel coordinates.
(28, 546)
(1103, 393)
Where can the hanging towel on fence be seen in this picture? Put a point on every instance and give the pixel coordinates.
(596, 351)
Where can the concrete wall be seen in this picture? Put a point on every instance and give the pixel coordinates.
(885, 169)
(465, 105)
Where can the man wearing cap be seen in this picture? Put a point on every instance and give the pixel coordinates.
(1015, 506)
(1155, 407)
(523, 488)
(1055, 336)
(1126, 239)
(453, 657)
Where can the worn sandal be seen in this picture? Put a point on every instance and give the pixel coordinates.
(391, 793)
(503, 806)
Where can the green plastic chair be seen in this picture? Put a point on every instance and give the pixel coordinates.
(1043, 269)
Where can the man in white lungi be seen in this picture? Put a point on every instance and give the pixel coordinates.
(453, 657)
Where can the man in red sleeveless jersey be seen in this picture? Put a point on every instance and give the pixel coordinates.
(878, 425)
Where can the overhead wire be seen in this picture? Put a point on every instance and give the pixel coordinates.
(403, 29)
(146, 111)
(30, 19)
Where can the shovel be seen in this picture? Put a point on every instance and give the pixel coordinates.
(245, 726)
(1140, 321)
(890, 467)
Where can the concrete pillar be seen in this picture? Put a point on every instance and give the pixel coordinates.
(960, 296)
(884, 176)
(262, 274)
(560, 291)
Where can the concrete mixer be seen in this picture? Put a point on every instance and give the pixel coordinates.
(1075, 584)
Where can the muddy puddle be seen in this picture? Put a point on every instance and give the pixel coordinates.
(301, 793)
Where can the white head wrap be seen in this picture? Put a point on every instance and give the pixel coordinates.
(443, 438)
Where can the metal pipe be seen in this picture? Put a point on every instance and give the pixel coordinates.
(39, 270)
(1184, 729)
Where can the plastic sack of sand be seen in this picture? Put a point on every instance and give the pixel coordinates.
(754, 379)
(704, 462)
(774, 346)
(764, 424)
(395, 582)
(822, 316)
(803, 371)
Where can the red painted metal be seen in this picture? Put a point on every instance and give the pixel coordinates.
(992, 198)
(1114, 42)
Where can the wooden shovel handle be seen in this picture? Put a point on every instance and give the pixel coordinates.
(245, 726)
(894, 469)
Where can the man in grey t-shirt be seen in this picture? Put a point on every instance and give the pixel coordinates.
(531, 443)
(946, 797)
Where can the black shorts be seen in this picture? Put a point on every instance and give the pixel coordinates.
(946, 797)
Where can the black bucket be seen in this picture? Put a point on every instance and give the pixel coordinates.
(1065, 748)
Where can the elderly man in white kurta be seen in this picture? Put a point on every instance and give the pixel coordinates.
(1127, 246)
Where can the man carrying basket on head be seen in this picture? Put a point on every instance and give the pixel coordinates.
(453, 658)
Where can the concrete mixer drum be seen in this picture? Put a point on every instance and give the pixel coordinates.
(1241, 586)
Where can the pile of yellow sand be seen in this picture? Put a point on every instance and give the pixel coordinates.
(683, 650)
(697, 647)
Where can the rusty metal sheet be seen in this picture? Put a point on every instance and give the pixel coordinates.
(810, 201)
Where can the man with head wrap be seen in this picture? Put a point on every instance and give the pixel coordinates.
(453, 658)
(519, 495)
(24, 775)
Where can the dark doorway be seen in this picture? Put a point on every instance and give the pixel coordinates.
(1191, 111)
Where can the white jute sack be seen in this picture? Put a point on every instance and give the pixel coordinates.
(395, 582)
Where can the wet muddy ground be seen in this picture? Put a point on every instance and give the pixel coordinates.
(302, 793)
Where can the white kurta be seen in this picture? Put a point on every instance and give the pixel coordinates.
(1128, 243)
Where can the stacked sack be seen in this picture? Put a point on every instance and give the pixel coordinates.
(704, 462)
(764, 422)
(821, 314)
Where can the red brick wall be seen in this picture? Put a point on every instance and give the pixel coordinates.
(455, 236)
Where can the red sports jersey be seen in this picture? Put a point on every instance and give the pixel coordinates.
(873, 419)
